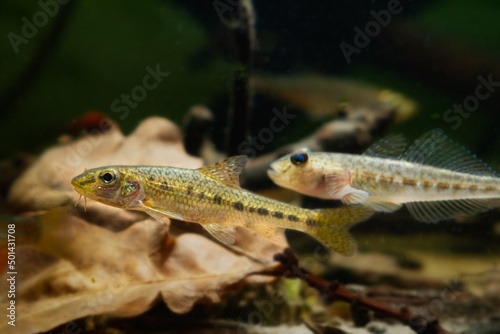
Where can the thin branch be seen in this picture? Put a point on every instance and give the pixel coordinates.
(197, 125)
(239, 114)
(335, 291)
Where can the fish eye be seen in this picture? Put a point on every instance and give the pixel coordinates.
(299, 158)
(107, 177)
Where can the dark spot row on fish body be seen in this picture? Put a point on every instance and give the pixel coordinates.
(426, 184)
(442, 185)
(423, 183)
(390, 179)
(164, 186)
(278, 214)
(262, 211)
(409, 182)
(458, 186)
(490, 188)
(371, 177)
(311, 222)
(238, 206)
(217, 199)
(189, 190)
(473, 187)
(293, 218)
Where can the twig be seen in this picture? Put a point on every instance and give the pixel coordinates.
(31, 72)
(239, 113)
(197, 125)
(335, 291)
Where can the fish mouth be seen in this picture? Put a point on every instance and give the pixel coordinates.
(79, 190)
(272, 173)
(76, 183)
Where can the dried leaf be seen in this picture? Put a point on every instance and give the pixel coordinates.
(112, 261)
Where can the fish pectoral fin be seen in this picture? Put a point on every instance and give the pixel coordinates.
(159, 217)
(433, 212)
(382, 206)
(338, 186)
(227, 171)
(224, 234)
(275, 234)
(157, 213)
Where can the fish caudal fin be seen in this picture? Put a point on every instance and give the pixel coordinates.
(332, 227)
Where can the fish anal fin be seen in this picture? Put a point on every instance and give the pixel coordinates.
(275, 234)
(227, 171)
(338, 186)
(224, 234)
(435, 149)
(382, 206)
(392, 146)
(332, 228)
(432, 212)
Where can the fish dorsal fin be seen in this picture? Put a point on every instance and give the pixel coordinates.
(435, 149)
(227, 171)
(392, 146)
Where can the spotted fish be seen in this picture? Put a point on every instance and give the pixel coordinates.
(211, 196)
(435, 178)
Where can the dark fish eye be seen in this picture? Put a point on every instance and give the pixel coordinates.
(107, 177)
(299, 158)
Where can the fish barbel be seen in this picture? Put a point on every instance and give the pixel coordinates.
(211, 196)
(435, 178)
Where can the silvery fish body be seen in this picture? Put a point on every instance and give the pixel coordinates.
(212, 197)
(435, 178)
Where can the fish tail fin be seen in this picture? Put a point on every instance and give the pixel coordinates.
(332, 228)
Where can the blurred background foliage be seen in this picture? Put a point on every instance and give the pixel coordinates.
(432, 52)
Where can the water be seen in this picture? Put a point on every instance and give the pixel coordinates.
(68, 67)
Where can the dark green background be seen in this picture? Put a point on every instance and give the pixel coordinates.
(107, 45)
